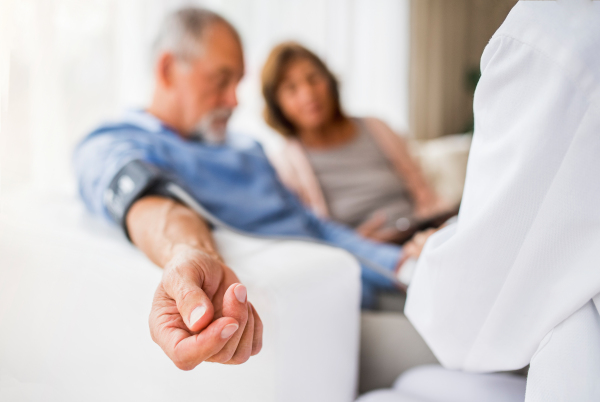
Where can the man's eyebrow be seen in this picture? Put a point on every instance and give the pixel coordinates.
(228, 72)
(232, 73)
(224, 71)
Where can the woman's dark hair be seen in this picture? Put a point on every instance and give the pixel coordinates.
(272, 74)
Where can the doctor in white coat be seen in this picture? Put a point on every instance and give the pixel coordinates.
(516, 280)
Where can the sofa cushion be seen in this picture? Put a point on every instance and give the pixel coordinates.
(75, 298)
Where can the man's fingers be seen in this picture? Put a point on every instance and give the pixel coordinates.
(193, 350)
(409, 248)
(244, 346)
(234, 306)
(170, 332)
(258, 332)
(193, 304)
(420, 238)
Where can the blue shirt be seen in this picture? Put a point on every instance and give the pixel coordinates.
(234, 181)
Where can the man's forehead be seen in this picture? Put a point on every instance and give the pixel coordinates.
(222, 45)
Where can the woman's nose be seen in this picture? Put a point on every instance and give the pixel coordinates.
(306, 92)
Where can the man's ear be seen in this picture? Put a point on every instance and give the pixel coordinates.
(165, 69)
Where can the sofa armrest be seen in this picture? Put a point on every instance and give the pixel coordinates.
(444, 163)
(75, 299)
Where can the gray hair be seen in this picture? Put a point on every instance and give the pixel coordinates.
(182, 32)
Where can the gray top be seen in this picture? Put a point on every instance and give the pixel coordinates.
(357, 179)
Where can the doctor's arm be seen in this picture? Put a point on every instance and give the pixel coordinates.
(200, 310)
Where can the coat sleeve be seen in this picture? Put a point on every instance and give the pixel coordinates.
(521, 258)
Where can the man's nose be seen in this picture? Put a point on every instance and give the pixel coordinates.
(230, 99)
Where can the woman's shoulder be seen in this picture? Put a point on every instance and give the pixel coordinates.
(289, 145)
(375, 126)
(284, 156)
(366, 119)
(371, 122)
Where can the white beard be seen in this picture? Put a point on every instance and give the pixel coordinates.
(208, 131)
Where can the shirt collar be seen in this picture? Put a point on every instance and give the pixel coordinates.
(143, 119)
(150, 123)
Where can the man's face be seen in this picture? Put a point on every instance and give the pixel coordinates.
(205, 87)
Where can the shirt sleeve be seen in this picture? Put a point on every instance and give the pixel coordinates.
(384, 255)
(98, 159)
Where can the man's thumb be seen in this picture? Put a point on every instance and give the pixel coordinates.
(193, 304)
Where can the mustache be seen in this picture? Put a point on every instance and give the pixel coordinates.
(218, 114)
(211, 128)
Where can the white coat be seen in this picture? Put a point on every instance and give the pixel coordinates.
(517, 279)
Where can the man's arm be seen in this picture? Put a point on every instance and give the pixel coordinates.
(385, 255)
(200, 311)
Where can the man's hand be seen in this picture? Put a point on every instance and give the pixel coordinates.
(414, 247)
(200, 313)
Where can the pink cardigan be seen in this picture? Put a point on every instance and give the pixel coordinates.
(295, 171)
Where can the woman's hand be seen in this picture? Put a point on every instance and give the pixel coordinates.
(428, 210)
(374, 228)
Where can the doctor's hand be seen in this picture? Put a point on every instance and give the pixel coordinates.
(200, 312)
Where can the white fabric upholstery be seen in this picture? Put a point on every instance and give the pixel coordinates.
(433, 383)
(444, 163)
(75, 299)
(389, 346)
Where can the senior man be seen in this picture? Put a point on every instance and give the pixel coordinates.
(200, 312)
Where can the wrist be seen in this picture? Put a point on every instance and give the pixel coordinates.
(184, 251)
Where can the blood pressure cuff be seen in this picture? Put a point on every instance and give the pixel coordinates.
(135, 180)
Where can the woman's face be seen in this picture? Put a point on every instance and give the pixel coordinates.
(304, 95)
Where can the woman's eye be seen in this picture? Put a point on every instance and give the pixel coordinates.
(315, 79)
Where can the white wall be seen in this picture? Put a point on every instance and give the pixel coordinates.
(68, 64)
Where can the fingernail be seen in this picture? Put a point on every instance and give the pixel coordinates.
(229, 330)
(240, 293)
(197, 314)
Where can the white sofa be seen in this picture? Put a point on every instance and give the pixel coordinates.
(75, 298)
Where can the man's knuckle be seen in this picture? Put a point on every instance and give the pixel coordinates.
(241, 356)
(184, 365)
(220, 358)
(185, 294)
(239, 360)
(257, 348)
(225, 355)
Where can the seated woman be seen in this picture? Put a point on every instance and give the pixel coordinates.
(356, 171)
